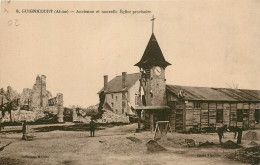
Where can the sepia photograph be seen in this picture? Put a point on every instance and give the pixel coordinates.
(130, 82)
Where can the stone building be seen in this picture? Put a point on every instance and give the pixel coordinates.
(120, 93)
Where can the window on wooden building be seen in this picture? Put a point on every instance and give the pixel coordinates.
(196, 105)
(219, 116)
(246, 113)
(257, 115)
(240, 115)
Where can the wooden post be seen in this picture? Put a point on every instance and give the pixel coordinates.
(151, 121)
(184, 117)
(208, 115)
(24, 131)
(139, 119)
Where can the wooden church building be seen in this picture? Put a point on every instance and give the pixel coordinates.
(185, 107)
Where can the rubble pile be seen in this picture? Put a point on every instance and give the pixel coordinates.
(251, 135)
(153, 146)
(134, 139)
(253, 143)
(249, 155)
(230, 145)
(206, 144)
(52, 110)
(18, 116)
(107, 117)
(125, 146)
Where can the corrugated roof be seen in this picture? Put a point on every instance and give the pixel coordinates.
(115, 85)
(215, 94)
(152, 55)
(151, 107)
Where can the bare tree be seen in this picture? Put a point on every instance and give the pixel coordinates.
(232, 85)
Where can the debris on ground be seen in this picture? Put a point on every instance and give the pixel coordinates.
(230, 145)
(134, 139)
(190, 142)
(12, 161)
(206, 144)
(153, 146)
(253, 143)
(107, 117)
(247, 155)
(251, 135)
(121, 145)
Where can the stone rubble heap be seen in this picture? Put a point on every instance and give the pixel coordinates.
(251, 135)
(29, 116)
(107, 117)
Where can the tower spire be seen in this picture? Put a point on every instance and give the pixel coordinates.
(152, 23)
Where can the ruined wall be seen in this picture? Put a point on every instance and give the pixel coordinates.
(3, 99)
(8, 95)
(35, 100)
(25, 96)
(39, 95)
(56, 106)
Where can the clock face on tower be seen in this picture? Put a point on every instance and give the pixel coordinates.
(157, 71)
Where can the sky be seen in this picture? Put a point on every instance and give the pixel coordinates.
(210, 43)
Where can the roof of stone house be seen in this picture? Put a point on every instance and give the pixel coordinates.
(215, 94)
(115, 85)
(152, 55)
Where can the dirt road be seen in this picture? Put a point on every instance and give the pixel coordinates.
(110, 146)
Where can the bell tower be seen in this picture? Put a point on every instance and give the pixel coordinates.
(152, 66)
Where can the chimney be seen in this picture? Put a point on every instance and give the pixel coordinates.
(105, 82)
(123, 80)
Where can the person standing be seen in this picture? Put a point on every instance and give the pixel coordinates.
(220, 132)
(239, 136)
(92, 128)
(24, 131)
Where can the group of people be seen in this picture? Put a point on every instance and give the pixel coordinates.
(237, 132)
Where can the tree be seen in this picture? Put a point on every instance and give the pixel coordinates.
(232, 85)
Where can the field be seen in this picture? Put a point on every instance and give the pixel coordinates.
(72, 144)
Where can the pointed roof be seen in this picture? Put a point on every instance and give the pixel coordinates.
(152, 55)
